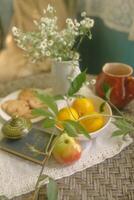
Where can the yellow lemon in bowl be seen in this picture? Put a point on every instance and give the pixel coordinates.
(94, 122)
(67, 113)
(83, 106)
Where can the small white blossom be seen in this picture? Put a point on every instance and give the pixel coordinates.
(68, 20)
(59, 59)
(77, 24)
(15, 31)
(50, 9)
(71, 25)
(44, 11)
(50, 42)
(83, 14)
(76, 56)
(83, 22)
(76, 33)
(48, 53)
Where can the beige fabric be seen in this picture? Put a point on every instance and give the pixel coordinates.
(13, 63)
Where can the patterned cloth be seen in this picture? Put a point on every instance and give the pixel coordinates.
(116, 14)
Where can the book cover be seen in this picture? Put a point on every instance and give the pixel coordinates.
(21, 147)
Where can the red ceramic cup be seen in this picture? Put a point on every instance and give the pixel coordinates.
(119, 77)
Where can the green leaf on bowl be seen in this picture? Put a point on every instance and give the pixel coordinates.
(77, 83)
(79, 128)
(102, 107)
(69, 129)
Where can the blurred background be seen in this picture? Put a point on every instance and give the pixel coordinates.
(112, 41)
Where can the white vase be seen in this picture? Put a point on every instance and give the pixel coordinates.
(62, 74)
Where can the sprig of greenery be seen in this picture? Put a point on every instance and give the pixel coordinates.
(124, 124)
(77, 83)
(74, 128)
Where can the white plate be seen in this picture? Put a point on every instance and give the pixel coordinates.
(14, 96)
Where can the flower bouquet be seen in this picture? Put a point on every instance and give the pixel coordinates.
(59, 45)
(48, 41)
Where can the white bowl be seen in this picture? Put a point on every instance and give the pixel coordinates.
(97, 101)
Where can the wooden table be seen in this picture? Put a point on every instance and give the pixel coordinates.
(111, 180)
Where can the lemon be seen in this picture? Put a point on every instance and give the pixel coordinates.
(67, 113)
(83, 106)
(93, 123)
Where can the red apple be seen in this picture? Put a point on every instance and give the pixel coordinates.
(66, 149)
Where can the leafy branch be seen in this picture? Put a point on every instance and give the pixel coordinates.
(73, 128)
(124, 124)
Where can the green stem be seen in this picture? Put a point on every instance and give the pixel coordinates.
(48, 155)
(120, 113)
(104, 115)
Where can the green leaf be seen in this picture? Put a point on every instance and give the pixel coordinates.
(107, 90)
(70, 129)
(79, 128)
(49, 101)
(117, 133)
(42, 112)
(77, 83)
(102, 107)
(58, 97)
(52, 190)
(49, 123)
(123, 124)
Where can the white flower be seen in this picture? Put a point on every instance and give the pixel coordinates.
(91, 22)
(48, 53)
(77, 24)
(15, 31)
(83, 14)
(76, 33)
(83, 22)
(71, 25)
(76, 56)
(50, 9)
(50, 42)
(59, 59)
(69, 20)
(88, 23)
(43, 45)
(44, 11)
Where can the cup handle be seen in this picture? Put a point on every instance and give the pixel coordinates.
(130, 87)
